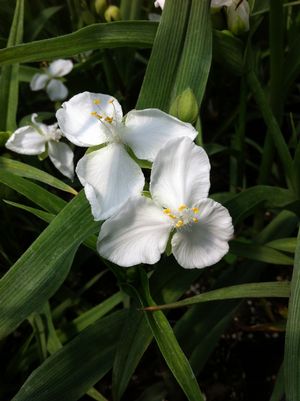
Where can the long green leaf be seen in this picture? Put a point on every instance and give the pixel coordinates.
(195, 58)
(169, 347)
(25, 170)
(292, 338)
(253, 290)
(158, 82)
(43, 267)
(74, 369)
(9, 84)
(97, 36)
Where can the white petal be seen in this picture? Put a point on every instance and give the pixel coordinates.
(220, 3)
(180, 174)
(27, 141)
(82, 128)
(206, 242)
(147, 131)
(109, 177)
(137, 234)
(56, 90)
(39, 81)
(62, 157)
(159, 3)
(60, 68)
(238, 17)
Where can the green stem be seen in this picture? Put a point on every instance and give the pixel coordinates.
(273, 127)
(276, 39)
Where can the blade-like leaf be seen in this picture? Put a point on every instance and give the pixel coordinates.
(96, 36)
(74, 369)
(292, 338)
(9, 84)
(253, 290)
(40, 271)
(169, 347)
(25, 170)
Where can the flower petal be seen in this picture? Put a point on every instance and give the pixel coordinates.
(39, 81)
(220, 3)
(80, 126)
(138, 233)
(180, 174)
(159, 3)
(62, 157)
(204, 243)
(60, 68)
(109, 177)
(27, 141)
(56, 90)
(147, 131)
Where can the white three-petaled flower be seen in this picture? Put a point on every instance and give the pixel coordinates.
(37, 138)
(109, 175)
(179, 185)
(50, 79)
(237, 12)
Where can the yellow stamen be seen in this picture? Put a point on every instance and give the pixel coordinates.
(182, 207)
(109, 119)
(179, 224)
(195, 210)
(172, 216)
(96, 101)
(111, 101)
(195, 220)
(167, 211)
(94, 113)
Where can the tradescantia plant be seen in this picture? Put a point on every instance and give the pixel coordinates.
(160, 213)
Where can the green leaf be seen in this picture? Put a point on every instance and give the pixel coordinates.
(278, 391)
(253, 290)
(73, 370)
(292, 337)
(246, 202)
(228, 51)
(284, 244)
(168, 283)
(32, 191)
(138, 34)
(38, 24)
(25, 170)
(260, 253)
(9, 84)
(43, 267)
(195, 57)
(167, 48)
(169, 347)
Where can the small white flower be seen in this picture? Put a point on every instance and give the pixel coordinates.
(37, 138)
(159, 3)
(50, 79)
(179, 185)
(109, 175)
(238, 16)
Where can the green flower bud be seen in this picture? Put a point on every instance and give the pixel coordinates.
(238, 17)
(100, 6)
(185, 106)
(112, 13)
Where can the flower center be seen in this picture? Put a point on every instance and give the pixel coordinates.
(54, 133)
(183, 216)
(108, 121)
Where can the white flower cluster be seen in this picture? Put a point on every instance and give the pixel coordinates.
(137, 228)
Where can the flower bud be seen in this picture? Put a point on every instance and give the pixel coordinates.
(112, 13)
(185, 106)
(100, 6)
(238, 17)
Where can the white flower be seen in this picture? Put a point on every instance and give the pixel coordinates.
(50, 79)
(238, 16)
(179, 185)
(109, 175)
(220, 3)
(159, 3)
(37, 138)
